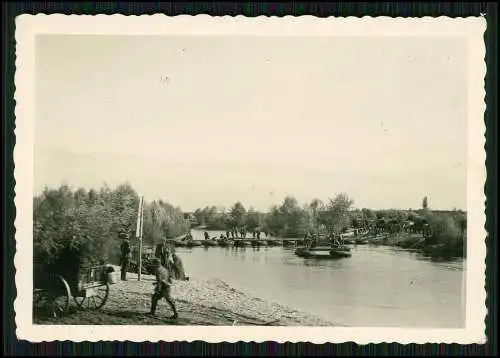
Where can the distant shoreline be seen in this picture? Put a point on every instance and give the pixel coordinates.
(402, 240)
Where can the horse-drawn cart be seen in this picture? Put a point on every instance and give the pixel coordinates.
(55, 285)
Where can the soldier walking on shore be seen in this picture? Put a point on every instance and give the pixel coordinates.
(162, 288)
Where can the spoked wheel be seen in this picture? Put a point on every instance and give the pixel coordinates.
(94, 298)
(54, 299)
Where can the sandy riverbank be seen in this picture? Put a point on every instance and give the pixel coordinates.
(199, 302)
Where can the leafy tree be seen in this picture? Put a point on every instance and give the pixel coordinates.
(274, 220)
(336, 216)
(368, 214)
(315, 208)
(252, 219)
(445, 229)
(199, 215)
(292, 216)
(92, 223)
(212, 219)
(238, 213)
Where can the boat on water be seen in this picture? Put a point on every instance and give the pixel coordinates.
(318, 252)
(241, 243)
(340, 252)
(361, 241)
(323, 252)
(210, 242)
(193, 243)
(179, 243)
(225, 243)
(259, 243)
(349, 240)
(273, 243)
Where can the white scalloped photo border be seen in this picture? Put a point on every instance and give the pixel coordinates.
(471, 29)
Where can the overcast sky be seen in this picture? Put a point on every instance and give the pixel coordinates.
(202, 121)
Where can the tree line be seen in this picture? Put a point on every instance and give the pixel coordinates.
(335, 216)
(94, 222)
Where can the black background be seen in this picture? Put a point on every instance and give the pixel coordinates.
(13, 347)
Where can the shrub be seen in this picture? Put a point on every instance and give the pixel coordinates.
(90, 225)
(446, 230)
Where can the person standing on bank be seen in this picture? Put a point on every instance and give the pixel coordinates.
(159, 252)
(178, 268)
(166, 252)
(162, 252)
(125, 258)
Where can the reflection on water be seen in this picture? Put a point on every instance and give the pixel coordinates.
(377, 286)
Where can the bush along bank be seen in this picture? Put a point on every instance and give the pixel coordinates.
(431, 245)
(94, 222)
(445, 229)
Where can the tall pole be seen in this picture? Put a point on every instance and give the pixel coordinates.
(140, 219)
(140, 242)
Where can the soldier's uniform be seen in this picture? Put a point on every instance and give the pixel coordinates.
(125, 258)
(163, 286)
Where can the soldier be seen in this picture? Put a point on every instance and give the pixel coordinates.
(159, 252)
(125, 258)
(314, 241)
(163, 252)
(162, 287)
(178, 268)
(167, 251)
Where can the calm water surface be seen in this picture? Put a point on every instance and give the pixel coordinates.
(377, 286)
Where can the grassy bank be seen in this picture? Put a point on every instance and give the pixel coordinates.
(199, 302)
(417, 242)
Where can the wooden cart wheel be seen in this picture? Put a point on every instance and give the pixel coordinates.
(53, 299)
(95, 301)
(60, 296)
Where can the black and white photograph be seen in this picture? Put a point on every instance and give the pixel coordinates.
(239, 179)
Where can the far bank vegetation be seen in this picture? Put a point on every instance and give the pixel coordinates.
(94, 221)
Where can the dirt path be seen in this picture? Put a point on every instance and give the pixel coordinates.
(199, 302)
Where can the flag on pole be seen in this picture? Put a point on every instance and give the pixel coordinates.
(139, 219)
(142, 221)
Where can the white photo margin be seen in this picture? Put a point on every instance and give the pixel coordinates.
(472, 29)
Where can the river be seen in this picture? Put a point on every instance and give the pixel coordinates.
(378, 286)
